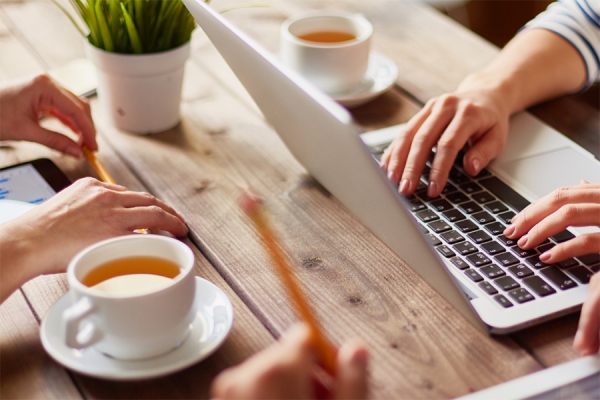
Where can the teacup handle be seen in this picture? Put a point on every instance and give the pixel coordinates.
(76, 337)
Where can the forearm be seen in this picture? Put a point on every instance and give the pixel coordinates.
(15, 259)
(537, 65)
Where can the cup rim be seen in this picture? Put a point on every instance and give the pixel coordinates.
(285, 29)
(75, 282)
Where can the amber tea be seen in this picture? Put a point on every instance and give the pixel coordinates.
(327, 36)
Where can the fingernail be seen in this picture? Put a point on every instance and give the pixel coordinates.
(404, 186)
(476, 166)
(545, 256)
(432, 189)
(523, 241)
(359, 357)
(509, 231)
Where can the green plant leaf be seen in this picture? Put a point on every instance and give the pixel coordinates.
(134, 37)
(103, 26)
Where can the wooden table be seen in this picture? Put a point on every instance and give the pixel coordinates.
(421, 347)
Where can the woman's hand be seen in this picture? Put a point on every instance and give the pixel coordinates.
(22, 105)
(569, 206)
(474, 114)
(287, 370)
(44, 239)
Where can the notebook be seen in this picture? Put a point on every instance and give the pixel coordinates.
(323, 138)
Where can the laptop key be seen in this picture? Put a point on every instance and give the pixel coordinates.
(457, 197)
(439, 226)
(421, 186)
(415, 205)
(453, 215)
(539, 286)
(495, 207)
(445, 251)
(457, 177)
(482, 174)
(507, 242)
(493, 247)
(535, 262)
(427, 215)
(474, 275)
(506, 259)
(506, 217)
(563, 236)
(521, 295)
(440, 205)
(470, 187)
(492, 271)
(459, 263)
(503, 301)
(479, 237)
(434, 241)
(483, 197)
(495, 228)
(478, 259)
(557, 277)
(523, 253)
(449, 188)
(520, 271)
(506, 283)
(469, 207)
(589, 259)
(545, 247)
(488, 288)
(483, 217)
(504, 193)
(452, 237)
(465, 248)
(466, 226)
(583, 275)
(595, 268)
(568, 263)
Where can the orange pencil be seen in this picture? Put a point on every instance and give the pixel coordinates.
(100, 170)
(326, 352)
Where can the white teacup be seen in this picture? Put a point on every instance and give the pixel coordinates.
(330, 50)
(130, 320)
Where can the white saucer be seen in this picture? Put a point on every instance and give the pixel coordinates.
(381, 74)
(209, 329)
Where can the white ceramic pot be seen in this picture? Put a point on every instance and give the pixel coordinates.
(140, 93)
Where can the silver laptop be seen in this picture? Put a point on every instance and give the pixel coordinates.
(498, 289)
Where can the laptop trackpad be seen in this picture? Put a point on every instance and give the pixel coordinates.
(543, 173)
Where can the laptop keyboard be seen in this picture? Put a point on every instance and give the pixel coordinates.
(465, 224)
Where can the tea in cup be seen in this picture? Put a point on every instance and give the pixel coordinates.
(329, 50)
(132, 296)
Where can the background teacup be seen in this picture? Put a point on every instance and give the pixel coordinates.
(131, 318)
(330, 50)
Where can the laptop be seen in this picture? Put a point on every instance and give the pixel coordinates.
(454, 242)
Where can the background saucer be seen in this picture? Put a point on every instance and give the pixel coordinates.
(381, 74)
(214, 318)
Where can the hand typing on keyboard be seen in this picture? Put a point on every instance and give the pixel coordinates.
(549, 217)
(535, 66)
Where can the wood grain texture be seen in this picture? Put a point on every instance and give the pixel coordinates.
(26, 372)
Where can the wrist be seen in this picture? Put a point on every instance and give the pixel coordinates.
(17, 261)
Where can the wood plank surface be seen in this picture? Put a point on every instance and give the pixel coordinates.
(422, 347)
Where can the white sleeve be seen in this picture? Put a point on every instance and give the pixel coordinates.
(578, 22)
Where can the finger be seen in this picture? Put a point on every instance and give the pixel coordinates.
(586, 339)
(395, 155)
(51, 139)
(90, 182)
(452, 140)
(142, 199)
(568, 215)
(578, 246)
(152, 217)
(59, 101)
(420, 149)
(548, 205)
(352, 375)
(484, 150)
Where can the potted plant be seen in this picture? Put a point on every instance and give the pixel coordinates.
(139, 48)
